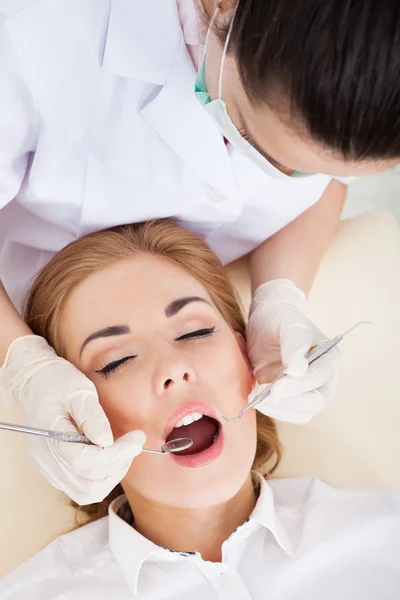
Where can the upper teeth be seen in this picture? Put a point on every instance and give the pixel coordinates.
(190, 418)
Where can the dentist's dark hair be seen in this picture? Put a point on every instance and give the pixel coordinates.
(333, 65)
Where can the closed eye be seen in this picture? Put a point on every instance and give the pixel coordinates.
(248, 139)
(199, 333)
(114, 366)
(271, 160)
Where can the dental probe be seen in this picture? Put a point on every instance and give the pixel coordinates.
(313, 356)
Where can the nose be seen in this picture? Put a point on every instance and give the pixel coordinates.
(174, 376)
(168, 383)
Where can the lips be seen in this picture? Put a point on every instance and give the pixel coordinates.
(187, 409)
(201, 457)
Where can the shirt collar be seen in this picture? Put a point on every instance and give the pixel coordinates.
(132, 45)
(265, 514)
(131, 550)
(193, 26)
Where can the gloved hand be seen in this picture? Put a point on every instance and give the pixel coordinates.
(58, 396)
(279, 337)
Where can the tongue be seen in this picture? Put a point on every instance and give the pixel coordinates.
(202, 432)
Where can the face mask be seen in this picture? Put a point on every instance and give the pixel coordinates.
(217, 109)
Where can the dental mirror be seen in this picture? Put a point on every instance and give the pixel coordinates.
(173, 446)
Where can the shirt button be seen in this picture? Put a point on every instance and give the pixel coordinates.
(216, 196)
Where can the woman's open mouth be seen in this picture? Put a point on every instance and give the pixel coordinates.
(206, 433)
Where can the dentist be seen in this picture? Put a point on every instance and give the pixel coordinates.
(242, 120)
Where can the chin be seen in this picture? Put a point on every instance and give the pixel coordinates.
(165, 482)
(219, 488)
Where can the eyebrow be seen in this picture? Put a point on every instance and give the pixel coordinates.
(171, 310)
(177, 305)
(104, 333)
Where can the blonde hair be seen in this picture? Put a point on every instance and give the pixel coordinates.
(100, 250)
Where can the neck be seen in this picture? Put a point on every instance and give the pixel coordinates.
(209, 6)
(201, 530)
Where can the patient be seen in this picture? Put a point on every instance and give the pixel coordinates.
(148, 314)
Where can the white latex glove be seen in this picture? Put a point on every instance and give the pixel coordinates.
(279, 336)
(58, 396)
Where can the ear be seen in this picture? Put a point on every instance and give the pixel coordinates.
(244, 350)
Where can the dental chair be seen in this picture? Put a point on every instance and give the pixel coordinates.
(355, 441)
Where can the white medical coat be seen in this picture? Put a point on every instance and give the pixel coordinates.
(99, 126)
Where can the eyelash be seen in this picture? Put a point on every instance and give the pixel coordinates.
(116, 364)
(113, 366)
(199, 333)
(245, 136)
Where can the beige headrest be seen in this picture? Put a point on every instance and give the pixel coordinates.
(355, 440)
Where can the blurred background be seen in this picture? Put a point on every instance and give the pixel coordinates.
(377, 192)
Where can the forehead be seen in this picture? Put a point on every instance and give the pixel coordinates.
(145, 283)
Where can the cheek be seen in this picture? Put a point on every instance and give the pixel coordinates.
(121, 408)
(118, 413)
(231, 373)
(212, 69)
(233, 370)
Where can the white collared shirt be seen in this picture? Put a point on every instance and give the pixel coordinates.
(100, 126)
(305, 540)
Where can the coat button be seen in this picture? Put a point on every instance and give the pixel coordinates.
(216, 196)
